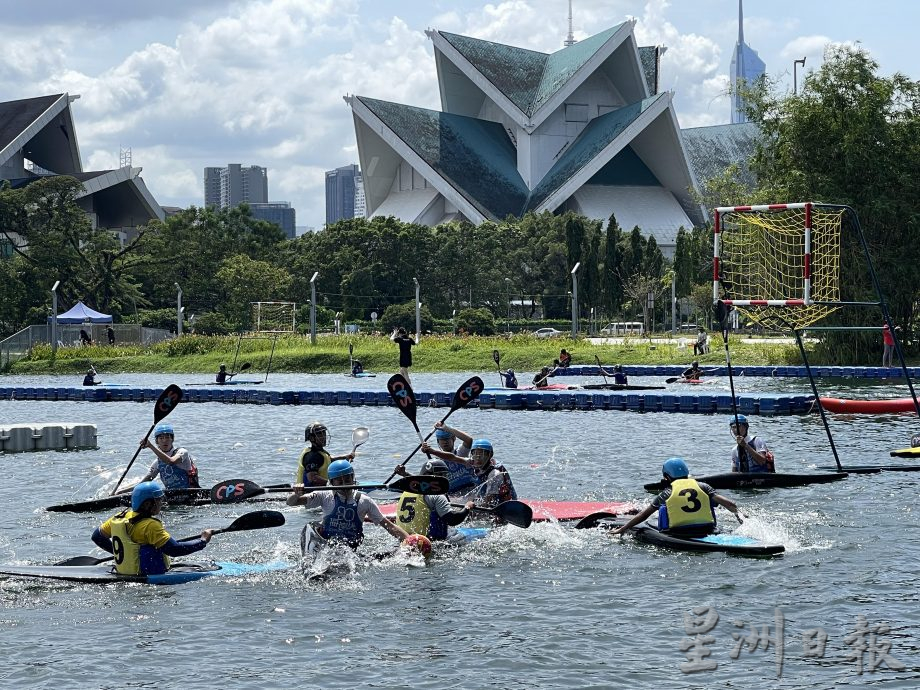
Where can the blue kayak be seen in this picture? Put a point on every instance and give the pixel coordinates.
(362, 375)
(104, 572)
(734, 544)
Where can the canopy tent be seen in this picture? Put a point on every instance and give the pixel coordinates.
(80, 313)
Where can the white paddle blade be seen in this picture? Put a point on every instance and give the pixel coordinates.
(359, 436)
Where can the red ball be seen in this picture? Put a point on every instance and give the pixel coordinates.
(419, 542)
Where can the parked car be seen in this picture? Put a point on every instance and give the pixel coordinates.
(623, 328)
(547, 333)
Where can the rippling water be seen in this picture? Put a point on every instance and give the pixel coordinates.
(548, 607)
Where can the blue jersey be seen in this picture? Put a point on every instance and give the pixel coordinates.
(344, 521)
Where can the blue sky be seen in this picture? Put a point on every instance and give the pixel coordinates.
(188, 84)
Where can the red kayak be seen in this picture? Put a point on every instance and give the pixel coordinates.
(868, 406)
(544, 511)
(690, 380)
(551, 387)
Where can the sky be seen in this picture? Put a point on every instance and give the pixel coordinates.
(187, 84)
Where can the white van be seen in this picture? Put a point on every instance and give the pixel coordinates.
(623, 328)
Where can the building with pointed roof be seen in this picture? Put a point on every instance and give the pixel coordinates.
(583, 129)
(746, 67)
(38, 139)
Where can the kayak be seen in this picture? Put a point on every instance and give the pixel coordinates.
(759, 480)
(620, 387)
(362, 375)
(228, 383)
(693, 381)
(176, 497)
(734, 544)
(906, 453)
(104, 572)
(843, 406)
(545, 511)
(550, 387)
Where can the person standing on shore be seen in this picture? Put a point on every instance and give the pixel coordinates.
(401, 338)
(888, 344)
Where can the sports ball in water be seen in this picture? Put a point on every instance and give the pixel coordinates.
(419, 542)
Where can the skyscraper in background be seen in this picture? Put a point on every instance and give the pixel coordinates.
(234, 185)
(340, 193)
(360, 202)
(746, 65)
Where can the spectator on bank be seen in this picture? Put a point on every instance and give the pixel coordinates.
(888, 344)
(84, 338)
(110, 332)
(701, 346)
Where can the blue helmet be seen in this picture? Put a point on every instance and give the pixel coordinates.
(144, 492)
(741, 420)
(163, 429)
(441, 433)
(482, 444)
(675, 468)
(340, 468)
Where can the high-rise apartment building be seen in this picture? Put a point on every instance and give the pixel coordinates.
(340, 193)
(278, 212)
(746, 66)
(234, 185)
(360, 202)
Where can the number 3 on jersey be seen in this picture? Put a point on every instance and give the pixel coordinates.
(693, 503)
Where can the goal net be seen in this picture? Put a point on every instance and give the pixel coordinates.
(273, 317)
(779, 265)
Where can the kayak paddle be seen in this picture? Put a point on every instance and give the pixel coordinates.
(601, 367)
(359, 437)
(496, 355)
(259, 519)
(243, 368)
(237, 490)
(467, 392)
(516, 513)
(166, 403)
(592, 520)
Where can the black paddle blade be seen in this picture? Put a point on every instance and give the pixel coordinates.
(83, 560)
(467, 393)
(247, 365)
(259, 519)
(515, 512)
(234, 491)
(424, 484)
(672, 379)
(166, 403)
(401, 393)
(594, 519)
(497, 357)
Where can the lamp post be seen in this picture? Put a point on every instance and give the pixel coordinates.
(651, 311)
(54, 309)
(508, 300)
(178, 309)
(795, 76)
(418, 311)
(575, 299)
(313, 308)
(673, 304)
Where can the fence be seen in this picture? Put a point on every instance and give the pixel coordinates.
(20, 344)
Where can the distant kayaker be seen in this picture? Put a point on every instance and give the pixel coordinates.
(401, 338)
(750, 454)
(313, 465)
(175, 466)
(140, 543)
(430, 516)
(619, 376)
(90, 378)
(565, 359)
(221, 377)
(357, 368)
(685, 507)
(509, 379)
(540, 379)
(344, 511)
(493, 481)
(693, 372)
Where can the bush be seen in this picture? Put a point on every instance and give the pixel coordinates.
(212, 323)
(158, 318)
(476, 321)
(397, 315)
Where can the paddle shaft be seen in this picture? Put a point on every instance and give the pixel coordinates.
(601, 367)
(555, 369)
(419, 446)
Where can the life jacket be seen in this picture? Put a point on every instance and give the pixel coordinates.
(460, 477)
(415, 516)
(132, 558)
(506, 490)
(323, 471)
(174, 477)
(619, 377)
(687, 508)
(357, 368)
(510, 380)
(748, 464)
(343, 522)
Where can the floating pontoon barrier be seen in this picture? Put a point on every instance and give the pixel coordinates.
(19, 438)
(768, 371)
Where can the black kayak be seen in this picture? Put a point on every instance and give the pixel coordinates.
(620, 387)
(733, 544)
(176, 497)
(758, 480)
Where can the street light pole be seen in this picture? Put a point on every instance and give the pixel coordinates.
(575, 299)
(795, 76)
(418, 311)
(313, 308)
(178, 309)
(54, 309)
(508, 300)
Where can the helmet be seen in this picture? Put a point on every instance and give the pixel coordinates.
(915, 441)
(313, 429)
(144, 492)
(419, 542)
(437, 467)
(163, 429)
(675, 468)
(618, 367)
(741, 420)
(340, 468)
(482, 444)
(223, 366)
(442, 433)
(510, 372)
(694, 364)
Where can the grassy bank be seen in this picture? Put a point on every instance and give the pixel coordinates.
(202, 354)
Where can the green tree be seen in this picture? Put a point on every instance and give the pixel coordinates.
(613, 267)
(243, 280)
(476, 321)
